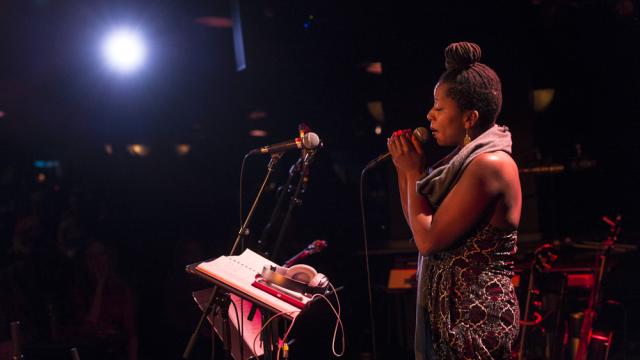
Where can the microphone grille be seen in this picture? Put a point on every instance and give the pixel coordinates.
(310, 141)
(421, 133)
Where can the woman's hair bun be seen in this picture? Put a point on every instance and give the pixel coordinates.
(461, 55)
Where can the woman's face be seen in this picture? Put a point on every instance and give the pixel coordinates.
(446, 117)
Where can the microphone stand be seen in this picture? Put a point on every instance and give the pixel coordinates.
(377, 160)
(265, 232)
(242, 234)
(285, 190)
(295, 199)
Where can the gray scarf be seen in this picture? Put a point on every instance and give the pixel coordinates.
(443, 175)
(435, 186)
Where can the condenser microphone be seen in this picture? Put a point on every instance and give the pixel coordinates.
(309, 141)
(421, 133)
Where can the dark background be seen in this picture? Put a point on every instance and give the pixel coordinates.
(306, 63)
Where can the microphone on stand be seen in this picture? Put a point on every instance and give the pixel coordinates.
(421, 133)
(313, 248)
(309, 141)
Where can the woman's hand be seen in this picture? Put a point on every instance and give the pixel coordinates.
(406, 152)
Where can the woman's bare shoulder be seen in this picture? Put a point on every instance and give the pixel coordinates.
(496, 166)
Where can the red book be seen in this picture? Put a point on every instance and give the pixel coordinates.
(259, 283)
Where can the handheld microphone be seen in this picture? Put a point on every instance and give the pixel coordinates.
(309, 141)
(420, 133)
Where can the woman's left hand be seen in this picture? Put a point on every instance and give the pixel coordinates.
(406, 152)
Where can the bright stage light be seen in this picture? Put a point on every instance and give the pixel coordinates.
(124, 50)
(138, 150)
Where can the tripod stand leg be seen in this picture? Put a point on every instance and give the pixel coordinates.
(267, 338)
(208, 309)
(224, 301)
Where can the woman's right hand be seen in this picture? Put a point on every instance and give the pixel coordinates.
(406, 152)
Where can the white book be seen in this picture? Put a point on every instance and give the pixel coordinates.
(239, 272)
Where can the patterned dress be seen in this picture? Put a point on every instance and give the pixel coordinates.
(473, 310)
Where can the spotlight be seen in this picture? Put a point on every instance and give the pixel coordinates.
(542, 98)
(124, 50)
(376, 110)
(258, 133)
(183, 149)
(374, 68)
(138, 150)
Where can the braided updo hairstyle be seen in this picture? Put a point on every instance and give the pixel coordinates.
(472, 85)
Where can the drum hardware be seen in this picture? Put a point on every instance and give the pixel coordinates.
(543, 260)
(594, 344)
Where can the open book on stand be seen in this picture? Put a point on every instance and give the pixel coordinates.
(241, 273)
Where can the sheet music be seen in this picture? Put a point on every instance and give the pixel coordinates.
(239, 272)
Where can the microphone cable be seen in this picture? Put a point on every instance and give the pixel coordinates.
(422, 134)
(240, 212)
(366, 260)
(244, 160)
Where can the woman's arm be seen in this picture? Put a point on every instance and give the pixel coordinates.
(471, 200)
(402, 187)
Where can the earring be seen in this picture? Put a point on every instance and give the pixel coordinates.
(467, 138)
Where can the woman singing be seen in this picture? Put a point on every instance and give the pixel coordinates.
(464, 214)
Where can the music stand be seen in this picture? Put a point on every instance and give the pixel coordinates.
(226, 325)
(229, 332)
